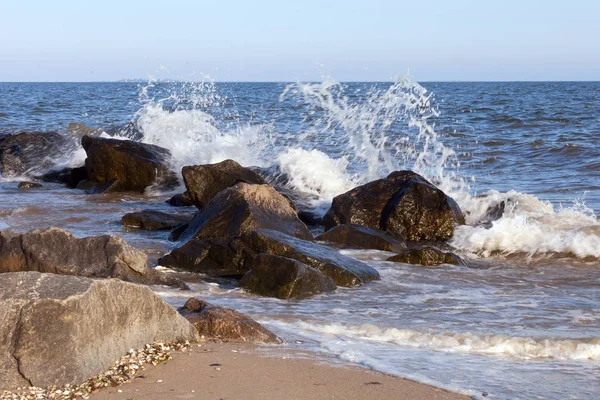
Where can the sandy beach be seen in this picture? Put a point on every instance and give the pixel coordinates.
(240, 371)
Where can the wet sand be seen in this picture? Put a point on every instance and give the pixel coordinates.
(234, 371)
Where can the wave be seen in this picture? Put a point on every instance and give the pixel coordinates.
(524, 348)
(529, 226)
(348, 137)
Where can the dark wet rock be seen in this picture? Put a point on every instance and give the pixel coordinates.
(223, 257)
(130, 130)
(493, 213)
(29, 185)
(31, 153)
(361, 237)
(284, 278)
(310, 218)
(232, 257)
(79, 130)
(224, 324)
(152, 220)
(242, 208)
(345, 271)
(59, 252)
(68, 176)
(427, 256)
(176, 233)
(123, 165)
(59, 330)
(203, 182)
(404, 205)
(180, 200)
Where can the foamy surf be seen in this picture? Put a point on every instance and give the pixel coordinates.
(523, 348)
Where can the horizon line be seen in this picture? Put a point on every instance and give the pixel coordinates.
(313, 81)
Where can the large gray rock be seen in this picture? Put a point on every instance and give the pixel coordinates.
(57, 251)
(242, 208)
(203, 182)
(65, 329)
(284, 278)
(123, 165)
(224, 324)
(404, 205)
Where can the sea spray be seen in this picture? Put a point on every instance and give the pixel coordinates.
(348, 135)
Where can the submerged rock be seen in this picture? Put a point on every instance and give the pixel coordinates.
(152, 220)
(225, 325)
(361, 237)
(427, 256)
(244, 207)
(284, 278)
(180, 200)
(69, 176)
(29, 185)
(59, 330)
(31, 153)
(204, 182)
(123, 165)
(59, 252)
(493, 213)
(79, 130)
(404, 205)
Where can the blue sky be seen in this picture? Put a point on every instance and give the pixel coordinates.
(64, 40)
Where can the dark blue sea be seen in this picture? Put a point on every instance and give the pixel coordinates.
(521, 322)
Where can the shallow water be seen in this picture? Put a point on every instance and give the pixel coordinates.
(522, 321)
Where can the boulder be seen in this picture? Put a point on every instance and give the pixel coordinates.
(225, 325)
(361, 237)
(221, 257)
(69, 176)
(180, 200)
(29, 185)
(152, 220)
(123, 165)
(59, 330)
(203, 182)
(57, 251)
(29, 153)
(242, 208)
(284, 278)
(427, 256)
(345, 271)
(232, 257)
(404, 205)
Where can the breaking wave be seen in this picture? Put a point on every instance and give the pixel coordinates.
(348, 137)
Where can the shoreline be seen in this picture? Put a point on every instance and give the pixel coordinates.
(242, 371)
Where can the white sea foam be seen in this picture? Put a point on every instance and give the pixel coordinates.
(499, 345)
(529, 226)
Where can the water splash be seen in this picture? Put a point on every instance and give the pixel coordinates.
(180, 120)
(380, 131)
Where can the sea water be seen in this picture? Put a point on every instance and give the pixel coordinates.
(522, 321)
